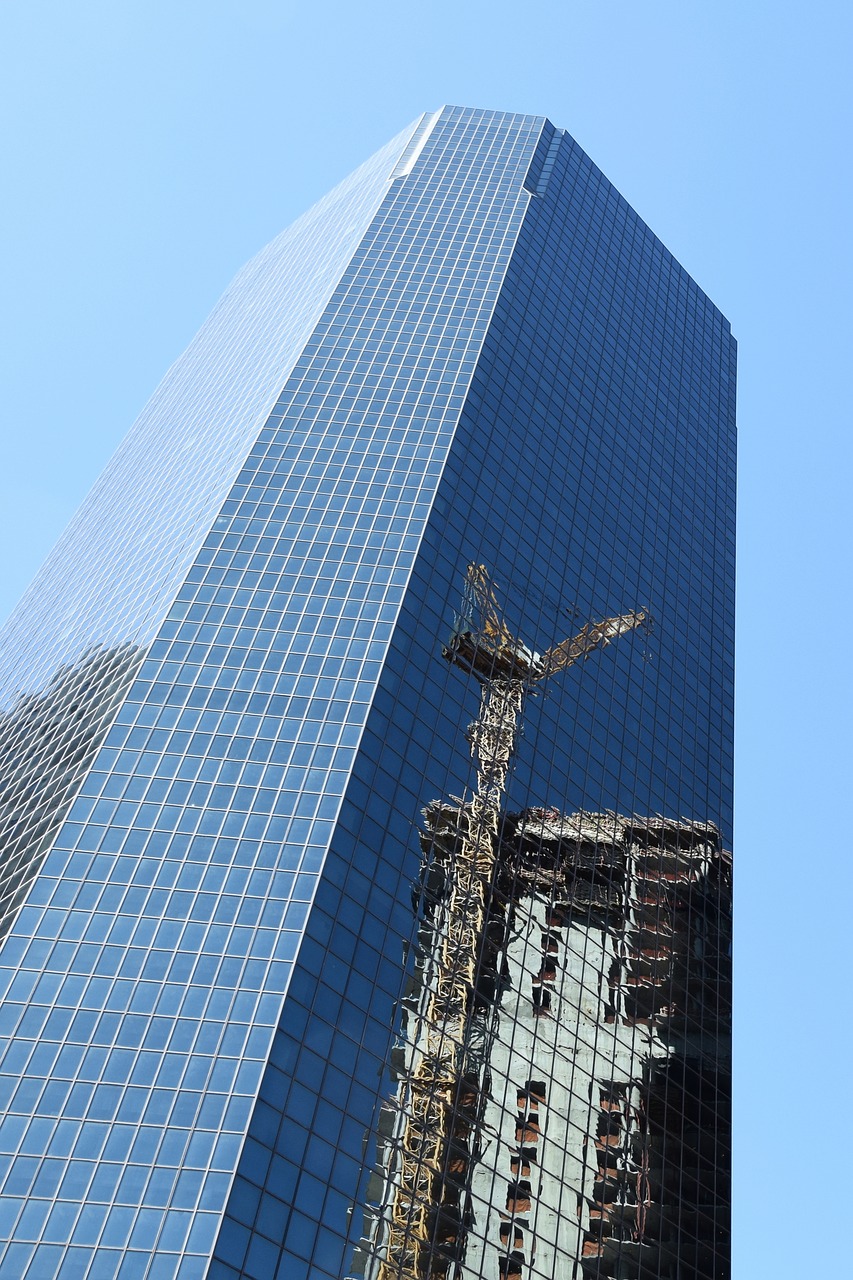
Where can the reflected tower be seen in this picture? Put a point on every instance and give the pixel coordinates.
(295, 981)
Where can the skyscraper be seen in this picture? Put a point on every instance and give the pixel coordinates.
(363, 886)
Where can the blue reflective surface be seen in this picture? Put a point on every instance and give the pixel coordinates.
(492, 361)
(80, 631)
(592, 471)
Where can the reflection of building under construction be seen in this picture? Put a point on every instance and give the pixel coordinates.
(558, 1103)
(587, 1133)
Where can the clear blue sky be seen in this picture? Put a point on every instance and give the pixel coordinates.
(150, 148)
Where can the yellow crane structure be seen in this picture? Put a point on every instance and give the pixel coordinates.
(439, 1095)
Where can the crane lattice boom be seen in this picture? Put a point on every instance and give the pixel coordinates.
(593, 636)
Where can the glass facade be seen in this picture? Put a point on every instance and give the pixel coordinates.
(355, 924)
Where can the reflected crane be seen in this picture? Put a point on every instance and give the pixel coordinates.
(439, 1098)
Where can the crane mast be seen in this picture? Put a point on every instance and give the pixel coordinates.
(441, 1093)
